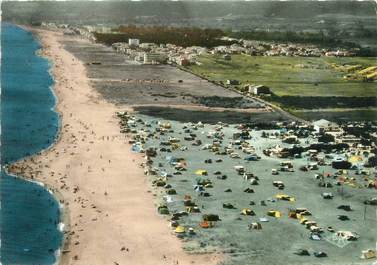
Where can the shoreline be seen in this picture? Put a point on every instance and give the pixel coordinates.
(64, 212)
(34, 168)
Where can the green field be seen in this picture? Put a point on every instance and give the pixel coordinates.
(338, 114)
(290, 76)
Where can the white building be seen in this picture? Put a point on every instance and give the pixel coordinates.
(133, 42)
(259, 90)
(323, 125)
(154, 58)
(148, 45)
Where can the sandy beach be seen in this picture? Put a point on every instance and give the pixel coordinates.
(110, 213)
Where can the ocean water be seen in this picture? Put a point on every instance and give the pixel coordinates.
(29, 214)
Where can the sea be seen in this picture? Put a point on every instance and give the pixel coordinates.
(29, 213)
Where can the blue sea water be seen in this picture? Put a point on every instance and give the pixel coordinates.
(29, 214)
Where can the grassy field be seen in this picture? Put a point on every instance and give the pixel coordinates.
(300, 83)
(290, 76)
(338, 114)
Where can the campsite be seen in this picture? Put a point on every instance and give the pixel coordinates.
(230, 187)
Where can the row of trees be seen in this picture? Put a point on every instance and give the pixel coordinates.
(289, 36)
(161, 35)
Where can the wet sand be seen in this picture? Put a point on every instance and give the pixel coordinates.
(110, 214)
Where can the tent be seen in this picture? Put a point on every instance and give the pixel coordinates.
(368, 254)
(274, 213)
(320, 254)
(203, 181)
(193, 209)
(205, 224)
(201, 172)
(180, 229)
(346, 208)
(255, 226)
(251, 158)
(254, 181)
(136, 148)
(198, 188)
(285, 197)
(248, 190)
(302, 252)
(175, 146)
(278, 183)
(239, 169)
(293, 214)
(163, 209)
(211, 217)
(327, 195)
(171, 192)
(347, 235)
(166, 125)
(191, 231)
(309, 224)
(247, 211)
(354, 159)
(303, 211)
(314, 236)
(228, 205)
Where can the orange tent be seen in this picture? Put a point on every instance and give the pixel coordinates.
(205, 224)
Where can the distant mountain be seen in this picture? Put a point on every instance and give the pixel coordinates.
(126, 11)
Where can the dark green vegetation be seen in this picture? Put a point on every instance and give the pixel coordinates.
(339, 115)
(182, 115)
(297, 82)
(181, 36)
(321, 102)
(291, 36)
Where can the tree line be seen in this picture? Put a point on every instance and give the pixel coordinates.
(185, 36)
(319, 38)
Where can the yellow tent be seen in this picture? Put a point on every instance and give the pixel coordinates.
(354, 159)
(285, 197)
(247, 211)
(368, 70)
(175, 146)
(201, 172)
(179, 229)
(372, 75)
(274, 213)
